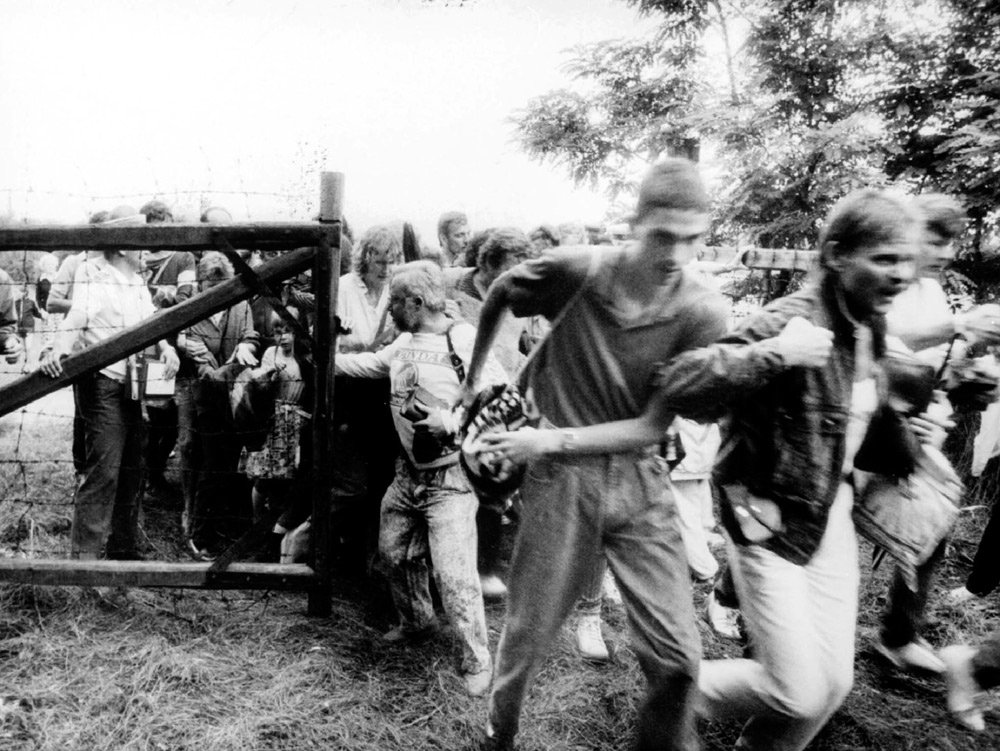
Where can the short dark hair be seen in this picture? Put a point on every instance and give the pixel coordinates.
(943, 215)
(471, 257)
(673, 183)
(864, 218)
(503, 243)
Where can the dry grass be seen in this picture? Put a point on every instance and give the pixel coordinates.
(174, 670)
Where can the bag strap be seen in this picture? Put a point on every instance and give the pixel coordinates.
(592, 266)
(456, 361)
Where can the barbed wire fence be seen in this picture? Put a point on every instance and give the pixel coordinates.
(39, 478)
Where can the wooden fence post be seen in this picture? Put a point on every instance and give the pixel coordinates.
(326, 276)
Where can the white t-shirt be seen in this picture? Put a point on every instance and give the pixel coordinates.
(422, 360)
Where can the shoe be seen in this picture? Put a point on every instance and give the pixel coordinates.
(400, 634)
(917, 655)
(477, 684)
(963, 690)
(199, 554)
(493, 587)
(725, 621)
(497, 740)
(589, 639)
(960, 596)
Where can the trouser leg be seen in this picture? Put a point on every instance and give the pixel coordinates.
(450, 509)
(986, 662)
(489, 529)
(556, 551)
(645, 550)
(125, 514)
(79, 434)
(101, 409)
(690, 497)
(403, 548)
(725, 587)
(592, 595)
(801, 622)
(985, 574)
(904, 614)
(188, 448)
(161, 436)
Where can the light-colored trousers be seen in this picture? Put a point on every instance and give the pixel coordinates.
(577, 511)
(431, 515)
(801, 621)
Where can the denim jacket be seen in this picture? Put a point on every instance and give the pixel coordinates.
(784, 428)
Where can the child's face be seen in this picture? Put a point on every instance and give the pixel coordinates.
(284, 339)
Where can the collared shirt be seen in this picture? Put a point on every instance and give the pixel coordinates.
(599, 362)
(358, 314)
(106, 301)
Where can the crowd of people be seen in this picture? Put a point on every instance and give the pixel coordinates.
(653, 413)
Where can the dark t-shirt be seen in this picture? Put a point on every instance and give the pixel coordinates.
(599, 362)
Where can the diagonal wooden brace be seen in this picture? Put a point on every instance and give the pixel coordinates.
(266, 291)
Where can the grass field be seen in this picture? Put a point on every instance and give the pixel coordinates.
(93, 669)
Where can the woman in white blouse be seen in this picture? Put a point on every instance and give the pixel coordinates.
(365, 442)
(363, 297)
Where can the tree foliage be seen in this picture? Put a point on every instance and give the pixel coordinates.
(807, 100)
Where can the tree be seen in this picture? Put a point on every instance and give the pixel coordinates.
(797, 114)
(942, 111)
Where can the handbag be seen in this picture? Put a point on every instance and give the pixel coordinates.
(909, 516)
(501, 408)
(147, 379)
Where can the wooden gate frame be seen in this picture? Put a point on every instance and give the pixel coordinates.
(316, 243)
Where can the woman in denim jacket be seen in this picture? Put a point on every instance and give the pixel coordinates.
(795, 385)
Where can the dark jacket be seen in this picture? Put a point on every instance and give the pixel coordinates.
(785, 427)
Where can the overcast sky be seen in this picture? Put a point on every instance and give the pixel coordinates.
(107, 98)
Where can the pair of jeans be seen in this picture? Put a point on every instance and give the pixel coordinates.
(433, 513)
(801, 621)
(107, 500)
(576, 511)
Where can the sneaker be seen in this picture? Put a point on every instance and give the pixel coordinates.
(963, 690)
(477, 684)
(199, 553)
(960, 596)
(493, 587)
(589, 639)
(725, 622)
(917, 655)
